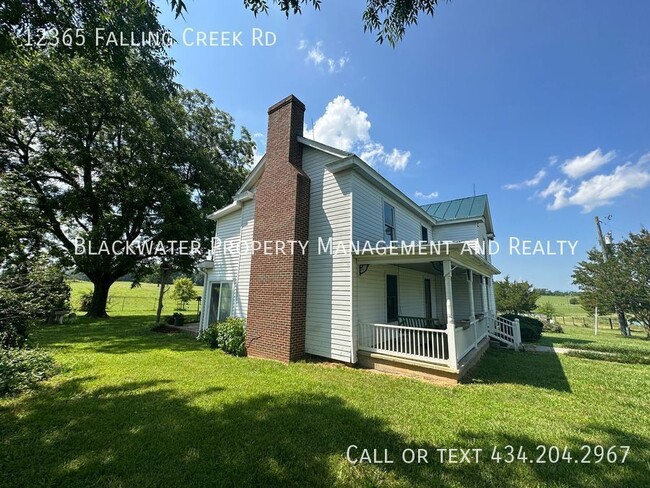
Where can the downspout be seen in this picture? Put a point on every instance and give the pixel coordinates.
(203, 302)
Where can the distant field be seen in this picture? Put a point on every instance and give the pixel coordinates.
(124, 300)
(568, 312)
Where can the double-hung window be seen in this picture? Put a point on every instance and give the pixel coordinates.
(389, 222)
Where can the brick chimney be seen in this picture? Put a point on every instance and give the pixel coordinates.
(277, 304)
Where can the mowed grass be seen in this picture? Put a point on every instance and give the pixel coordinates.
(135, 408)
(127, 301)
(562, 306)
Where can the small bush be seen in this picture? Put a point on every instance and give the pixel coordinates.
(229, 335)
(574, 301)
(531, 328)
(211, 336)
(84, 302)
(21, 369)
(552, 327)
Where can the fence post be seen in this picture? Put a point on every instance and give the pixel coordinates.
(610, 323)
(517, 331)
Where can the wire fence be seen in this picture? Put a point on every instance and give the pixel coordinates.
(144, 305)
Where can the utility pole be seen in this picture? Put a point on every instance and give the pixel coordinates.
(622, 321)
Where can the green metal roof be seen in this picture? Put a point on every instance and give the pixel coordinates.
(461, 208)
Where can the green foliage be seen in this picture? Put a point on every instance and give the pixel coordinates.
(574, 301)
(29, 291)
(21, 369)
(547, 309)
(515, 296)
(388, 18)
(229, 336)
(114, 155)
(531, 328)
(84, 301)
(211, 336)
(183, 291)
(622, 281)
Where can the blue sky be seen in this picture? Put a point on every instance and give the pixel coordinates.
(550, 98)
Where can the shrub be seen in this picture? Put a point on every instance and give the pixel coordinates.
(21, 369)
(183, 291)
(531, 328)
(574, 301)
(211, 336)
(552, 327)
(229, 335)
(547, 309)
(84, 302)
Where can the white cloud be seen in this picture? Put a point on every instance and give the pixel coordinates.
(558, 189)
(398, 160)
(373, 153)
(347, 127)
(426, 196)
(534, 181)
(317, 57)
(600, 189)
(342, 125)
(552, 160)
(582, 165)
(315, 54)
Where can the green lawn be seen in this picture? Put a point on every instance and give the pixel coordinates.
(124, 300)
(135, 408)
(563, 308)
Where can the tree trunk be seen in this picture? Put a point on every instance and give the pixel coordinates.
(100, 297)
(622, 321)
(161, 294)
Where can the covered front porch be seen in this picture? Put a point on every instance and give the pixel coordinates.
(427, 313)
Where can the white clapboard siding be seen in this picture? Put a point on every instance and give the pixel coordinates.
(328, 327)
(371, 293)
(240, 308)
(226, 263)
(464, 231)
(368, 215)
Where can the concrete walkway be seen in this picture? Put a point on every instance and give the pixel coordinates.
(189, 328)
(560, 350)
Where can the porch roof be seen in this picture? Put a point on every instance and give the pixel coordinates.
(456, 252)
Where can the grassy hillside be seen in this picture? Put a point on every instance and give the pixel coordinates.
(124, 300)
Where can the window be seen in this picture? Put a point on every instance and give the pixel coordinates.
(220, 302)
(391, 298)
(427, 297)
(389, 222)
(425, 234)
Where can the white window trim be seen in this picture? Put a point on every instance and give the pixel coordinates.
(385, 202)
(232, 296)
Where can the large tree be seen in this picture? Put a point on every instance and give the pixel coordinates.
(515, 296)
(388, 18)
(622, 282)
(104, 150)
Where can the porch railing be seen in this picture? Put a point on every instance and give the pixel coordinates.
(505, 330)
(419, 343)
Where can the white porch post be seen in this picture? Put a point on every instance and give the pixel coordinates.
(451, 326)
(484, 299)
(493, 305)
(472, 312)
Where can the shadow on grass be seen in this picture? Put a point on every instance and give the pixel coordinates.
(146, 434)
(117, 335)
(541, 370)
